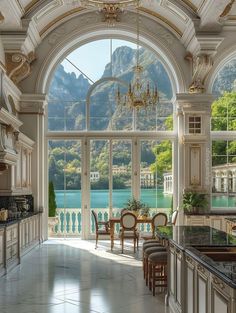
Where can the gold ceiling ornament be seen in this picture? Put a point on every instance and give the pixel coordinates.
(138, 95)
(111, 10)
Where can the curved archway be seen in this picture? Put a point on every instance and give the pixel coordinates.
(77, 39)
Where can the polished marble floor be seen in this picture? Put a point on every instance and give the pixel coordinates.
(70, 276)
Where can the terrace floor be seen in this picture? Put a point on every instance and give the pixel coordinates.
(71, 276)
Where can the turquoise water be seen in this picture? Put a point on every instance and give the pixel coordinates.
(100, 198)
(153, 198)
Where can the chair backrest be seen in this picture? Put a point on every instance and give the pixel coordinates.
(123, 211)
(159, 219)
(128, 221)
(174, 217)
(95, 219)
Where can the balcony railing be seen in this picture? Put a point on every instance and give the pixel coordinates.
(70, 221)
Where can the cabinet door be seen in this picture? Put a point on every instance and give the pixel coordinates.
(190, 270)
(1, 248)
(172, 271)
(179, 277)
(219, 303)
(202, 289)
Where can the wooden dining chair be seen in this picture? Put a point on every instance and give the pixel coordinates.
(159, 219)
(101, 227)
(128, 229)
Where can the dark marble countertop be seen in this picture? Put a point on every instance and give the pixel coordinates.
(218, 212)
(190, 238)
(17, 220)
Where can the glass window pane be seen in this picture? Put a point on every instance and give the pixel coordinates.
(156, 175)
(223, 174)
(65, 173)
(99, 179)
(121, 174)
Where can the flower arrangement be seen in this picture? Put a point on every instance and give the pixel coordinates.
(137, 206)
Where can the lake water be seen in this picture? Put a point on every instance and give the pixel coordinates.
(152, 197)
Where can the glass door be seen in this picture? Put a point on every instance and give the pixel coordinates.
(65, 173)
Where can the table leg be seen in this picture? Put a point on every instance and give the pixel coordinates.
(112, 231)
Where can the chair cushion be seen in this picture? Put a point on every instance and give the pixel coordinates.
(156, 257)
(150, 250)
(146, 243)
(150, 245)
(103, 232)
(129, 233)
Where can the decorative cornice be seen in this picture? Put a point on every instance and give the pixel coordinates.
(32, 103)
(19, 65)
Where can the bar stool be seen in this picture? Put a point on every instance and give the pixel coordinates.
(157, 270)
(147, 253)
(146, 245)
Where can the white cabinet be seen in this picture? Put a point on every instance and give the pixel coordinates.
(194, 289)
(16, 180)
(12, 255)
(29, 233)
(223, 297)
(176, 277)
(190, 290)
(202, 290)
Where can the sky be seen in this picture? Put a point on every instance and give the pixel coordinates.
(92, 57)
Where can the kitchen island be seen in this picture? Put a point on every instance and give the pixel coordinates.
(201, 269)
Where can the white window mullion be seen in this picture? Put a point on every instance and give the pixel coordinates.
(85, 188)
(110, 176)
(135, 168)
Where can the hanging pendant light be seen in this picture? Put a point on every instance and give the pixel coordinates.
(139, 95)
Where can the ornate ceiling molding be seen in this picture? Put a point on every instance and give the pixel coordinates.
(62, 17)
(202, 65)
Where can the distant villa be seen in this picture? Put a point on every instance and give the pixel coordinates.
(223, 179)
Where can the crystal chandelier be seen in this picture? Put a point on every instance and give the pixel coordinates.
(138, 95)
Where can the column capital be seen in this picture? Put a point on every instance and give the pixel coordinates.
(186, 102)
(33, 103)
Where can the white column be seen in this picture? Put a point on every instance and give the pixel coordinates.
(194, 154)
(32, 115)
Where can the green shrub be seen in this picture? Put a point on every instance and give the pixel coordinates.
(52, 205)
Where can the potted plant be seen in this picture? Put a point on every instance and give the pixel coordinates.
(138, 207)
(194, 202)
(52, 206)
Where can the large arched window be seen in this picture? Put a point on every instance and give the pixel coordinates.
(84, 88)
(111, 153)
(223, 134)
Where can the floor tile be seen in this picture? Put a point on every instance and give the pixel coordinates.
(67, 276)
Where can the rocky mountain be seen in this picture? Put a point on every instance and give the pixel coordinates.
(68, 93)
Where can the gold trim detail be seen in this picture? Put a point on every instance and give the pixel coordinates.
(19, 65)
(2, 18)
(57, 19)
(30, 5)
(163, 19)
(227, 9)
(190, 4)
